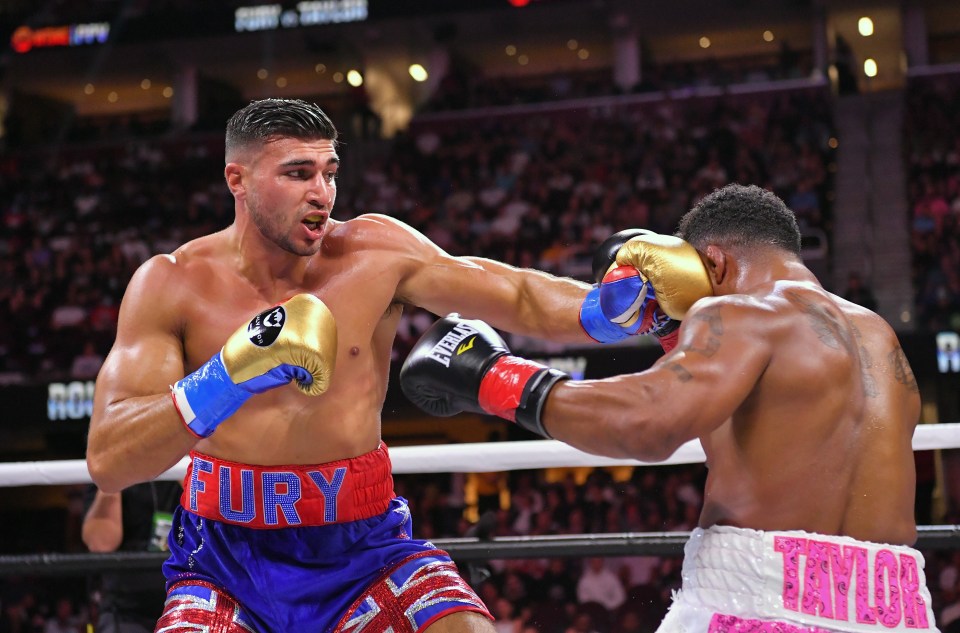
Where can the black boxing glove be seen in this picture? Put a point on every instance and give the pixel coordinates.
(464, 365)
(605, 257)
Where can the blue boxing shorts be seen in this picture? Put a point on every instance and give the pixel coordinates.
(303, 548)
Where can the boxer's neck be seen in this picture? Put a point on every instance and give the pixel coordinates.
(742, 270)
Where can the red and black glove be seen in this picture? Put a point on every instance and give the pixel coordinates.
(464, 365)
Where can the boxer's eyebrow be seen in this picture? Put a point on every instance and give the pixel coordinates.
(333, 160)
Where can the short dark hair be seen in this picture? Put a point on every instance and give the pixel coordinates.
(739, 215)
(261, 120)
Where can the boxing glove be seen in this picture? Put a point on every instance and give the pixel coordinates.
(293, 341)
(464, 365)
(592, 319)
(670, 277)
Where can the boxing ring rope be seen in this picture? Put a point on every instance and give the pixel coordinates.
(454, 458)
(468, 457)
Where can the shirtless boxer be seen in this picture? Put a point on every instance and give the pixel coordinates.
(288, 520)
(804, 403)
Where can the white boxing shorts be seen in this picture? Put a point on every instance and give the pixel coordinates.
(746, 581)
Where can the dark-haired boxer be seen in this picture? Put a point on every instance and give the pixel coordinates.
(289, 521)
(804, 403)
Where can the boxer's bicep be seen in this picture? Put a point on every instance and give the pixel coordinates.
(431, 278)
(147, 355)
(719, 359)
(522, 301)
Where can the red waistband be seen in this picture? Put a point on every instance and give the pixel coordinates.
(289, 496)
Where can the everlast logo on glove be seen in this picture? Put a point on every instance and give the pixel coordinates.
(488, 379)
(264, 329)
(445, 347)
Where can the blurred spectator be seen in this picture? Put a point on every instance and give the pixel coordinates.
(20, 611)
(86, 365)
(598, 584)
(507, 621)
(949, 616)
(630, 621)
(137, 520)
(931, 142)
(64, 619)
(846, 64)
(859, 292)
(582, 623)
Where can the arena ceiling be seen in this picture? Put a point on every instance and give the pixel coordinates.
(154, 39)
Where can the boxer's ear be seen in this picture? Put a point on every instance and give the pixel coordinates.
(717, 263)
(233, 174)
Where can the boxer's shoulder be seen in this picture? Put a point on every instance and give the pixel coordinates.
(193, 257)
(374, 232)
(731, 308)
(166, 282)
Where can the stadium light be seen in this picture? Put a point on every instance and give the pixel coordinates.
(418, 72)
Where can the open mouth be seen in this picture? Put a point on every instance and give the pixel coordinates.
(314, 222)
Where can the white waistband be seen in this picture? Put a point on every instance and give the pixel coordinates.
(835, 582)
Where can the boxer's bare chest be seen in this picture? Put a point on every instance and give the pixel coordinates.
(221, 300)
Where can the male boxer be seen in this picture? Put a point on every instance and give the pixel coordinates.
(289, 520)
(804, 403)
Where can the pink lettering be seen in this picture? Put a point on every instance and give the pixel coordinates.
(720, 623)
(865, 613)
(816, 586)
(842, 567)
(914, 608)
(791, 548)
(890, 591)
(887, 584)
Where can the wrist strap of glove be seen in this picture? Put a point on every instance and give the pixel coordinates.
(207, 397)
(595, 324)
(668, 335)
(516, 389)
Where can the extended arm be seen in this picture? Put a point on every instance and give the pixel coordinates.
(522, 301)
(464, 366)
(687, 394)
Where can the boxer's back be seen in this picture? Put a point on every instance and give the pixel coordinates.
(823, 442)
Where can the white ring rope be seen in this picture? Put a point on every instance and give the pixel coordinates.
(449, 458)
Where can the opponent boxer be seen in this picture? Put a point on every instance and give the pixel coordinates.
(289, 521)
(805, 406)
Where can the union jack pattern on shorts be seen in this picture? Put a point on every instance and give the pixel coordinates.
(199, 607)
(410, 597)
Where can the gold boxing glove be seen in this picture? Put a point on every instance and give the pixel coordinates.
(672, 266)
(296, 340)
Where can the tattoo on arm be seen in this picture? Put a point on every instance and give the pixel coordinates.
(901, 370)
(826, 325)
(682, 374)
(870, 388)
(711, 316)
